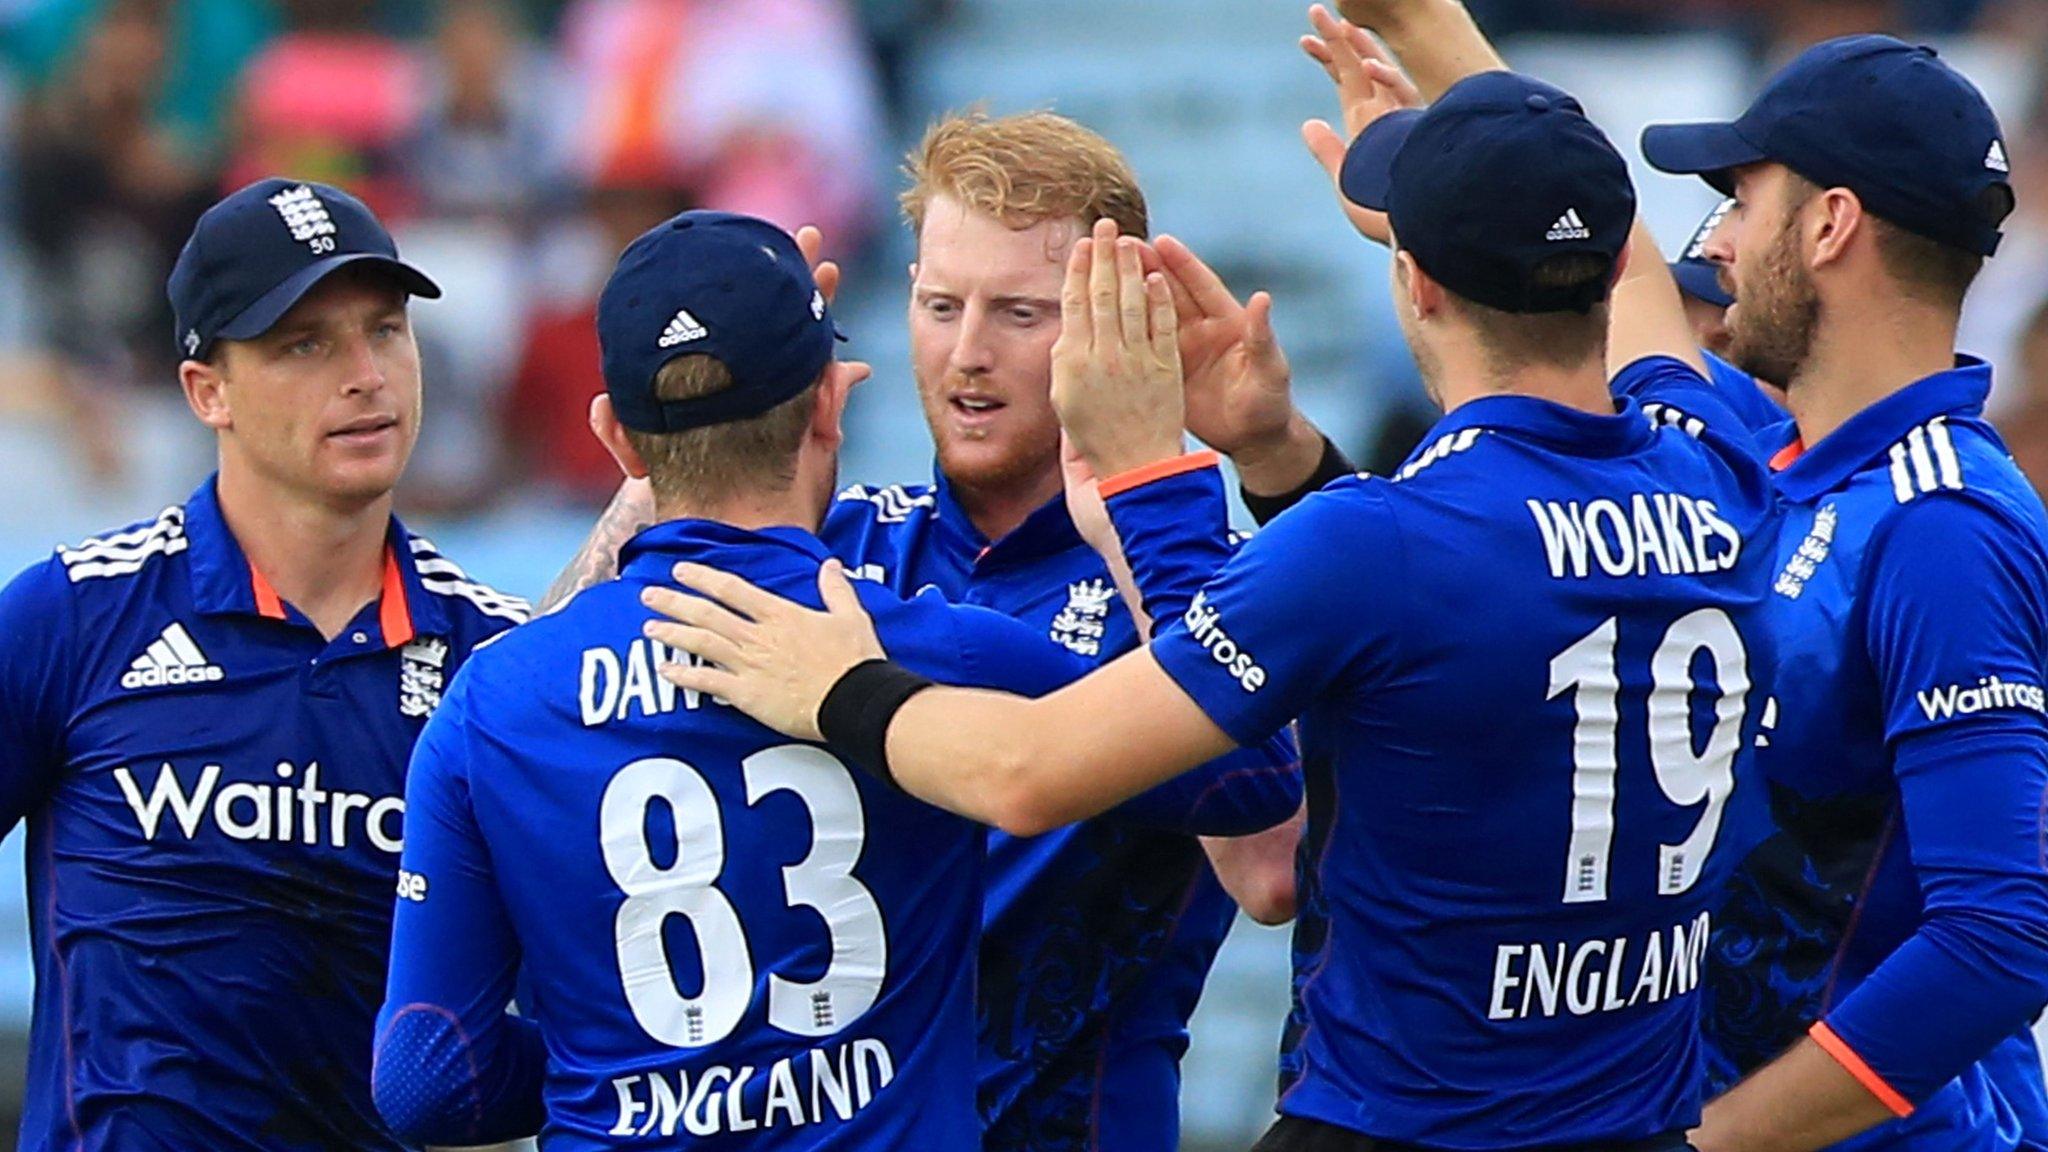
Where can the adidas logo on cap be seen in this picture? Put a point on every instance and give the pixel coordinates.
(1995, 159)
(171, 659)
(681, 330)
(1569, 227)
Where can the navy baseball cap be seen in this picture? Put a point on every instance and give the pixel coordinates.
(716, 284)
(1889, 121)
(1500, 175)
(255, 253)
(1696, 275)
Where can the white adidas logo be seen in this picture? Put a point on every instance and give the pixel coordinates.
(1995, 159)
(1569, 227)
(681, 330)
(171, 659)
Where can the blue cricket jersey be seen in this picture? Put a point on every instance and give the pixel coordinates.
(1096, 937)
(1906, 768)
(761, 1027)
(214, 803)
(1309, 938)
(1529, 667)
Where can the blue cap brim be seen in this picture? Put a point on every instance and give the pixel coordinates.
(1367, 177)
(270, 307)
(1699, 282)
(1706, 150)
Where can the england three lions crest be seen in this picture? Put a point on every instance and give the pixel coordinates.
(1080, 626)
(421, 672)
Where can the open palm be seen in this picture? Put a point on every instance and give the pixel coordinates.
(1236, 378)
(1369, 86)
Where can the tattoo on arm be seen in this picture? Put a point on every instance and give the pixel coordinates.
(598, 560)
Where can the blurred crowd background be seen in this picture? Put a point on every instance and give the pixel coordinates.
(516, 145)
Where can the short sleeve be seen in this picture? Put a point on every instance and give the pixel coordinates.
(1306, 607)
(36, 683)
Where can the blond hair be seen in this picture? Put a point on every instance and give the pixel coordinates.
(1022, 170)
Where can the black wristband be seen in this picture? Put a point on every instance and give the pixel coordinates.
(1332, 465)
(854, 716)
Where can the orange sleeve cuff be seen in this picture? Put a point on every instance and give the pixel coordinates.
(1864, 1074)
(1158, 470)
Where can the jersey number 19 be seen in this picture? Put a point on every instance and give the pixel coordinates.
(1588, 669)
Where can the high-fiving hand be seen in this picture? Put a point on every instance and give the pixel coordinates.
(771, 658)
(1238, 387)
(1116, 375)
(811, 242)
(1369, 86)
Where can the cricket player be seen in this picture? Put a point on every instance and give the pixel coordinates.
(1699, 283)
(205, 718)
(1759, 405)
(1890, 851)
(572, 811)
(1529, 665)
(1096, 937)
(1869, 182)
(1910, 754)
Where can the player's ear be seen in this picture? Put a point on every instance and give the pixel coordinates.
(1417, 292)
(835, 385)
(206, 392)
(604, 424)
(1840, 217)
(1620, 265)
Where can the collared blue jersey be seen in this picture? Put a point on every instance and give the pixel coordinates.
(1529, 667)
(721, 936)
(1906, 763)
(214, 803)
(1096, 937)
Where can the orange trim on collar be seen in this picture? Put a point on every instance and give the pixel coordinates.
(1865, 1075)
(1787, 455)
(1158, 470)
(268, 604)
(394, 613)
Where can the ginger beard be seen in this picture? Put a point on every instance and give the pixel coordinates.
(984, 314)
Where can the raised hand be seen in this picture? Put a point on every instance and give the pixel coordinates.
(1374, 13)
(1238, 394)
(1116, 375)
(1369, 86)
(1237, 381)
(771, 658)
(811, 243)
